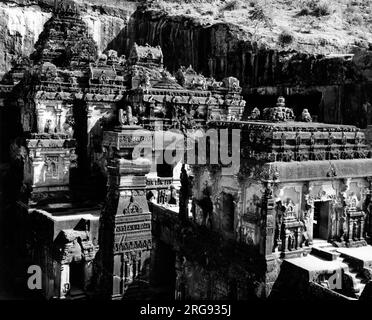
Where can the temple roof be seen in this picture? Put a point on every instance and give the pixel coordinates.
(146, 54)
(287, 141)
(168, 84)
(70, 235)
(99, 71)
(73, 48)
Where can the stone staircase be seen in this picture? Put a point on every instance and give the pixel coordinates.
(77, 294)
(327, 251)
(358, 282)
(324, 250)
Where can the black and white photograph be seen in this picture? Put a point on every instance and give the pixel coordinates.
(189, 153)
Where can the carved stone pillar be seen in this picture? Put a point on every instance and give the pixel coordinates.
(126, 219)
(58, 114)
(351, 224)
(299, 237)
(368, 210)
(65, 280)
(268, 219)
(40, 111)
(309, 211)
(90, 109)
(361, 234)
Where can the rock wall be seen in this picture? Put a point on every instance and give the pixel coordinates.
(223, 49)
(335, 89)
(22, 21)
(330, 86)
(19, 30)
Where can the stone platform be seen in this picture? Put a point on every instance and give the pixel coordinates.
(361, 256)
(325, 260)
(313, 264)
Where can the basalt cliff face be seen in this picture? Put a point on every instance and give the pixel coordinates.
(333, 82)
(22, 21)
(333, 86)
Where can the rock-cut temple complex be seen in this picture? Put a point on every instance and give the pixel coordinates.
(104, 214)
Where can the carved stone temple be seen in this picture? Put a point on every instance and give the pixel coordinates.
(105, 215)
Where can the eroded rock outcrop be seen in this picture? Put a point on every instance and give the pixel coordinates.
(332, 86)
(20, 28)
(22, 21)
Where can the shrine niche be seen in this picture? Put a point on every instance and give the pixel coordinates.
(290, 196)
(75, 250)
(249, 232)
(253, 197)
(133, 208)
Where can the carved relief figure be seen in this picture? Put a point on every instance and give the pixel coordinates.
(48, 126)
(126, 116)
(255, 114)
(68, 126)
(305, 116)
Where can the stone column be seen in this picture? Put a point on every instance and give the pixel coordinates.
(58, 115)
(361, 233)
(350, 228)
(299, 238)
(309, 211)
(90, 109)
(65, 280)
(126, 218)
(40, 110)
(368, 212)
(269, 220)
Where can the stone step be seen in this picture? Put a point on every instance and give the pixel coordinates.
(324, 253)
(77, 295)
(358, 282)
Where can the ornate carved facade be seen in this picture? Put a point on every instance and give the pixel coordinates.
(297, 181)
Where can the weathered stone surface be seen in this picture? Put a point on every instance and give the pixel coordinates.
(219, 49)
(363, 60)
(334, 86)
(20, 28)
(22, 21)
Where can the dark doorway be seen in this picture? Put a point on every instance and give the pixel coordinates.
(321, 220)
(76, 278)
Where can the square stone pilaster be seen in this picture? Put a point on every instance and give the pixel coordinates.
(125, 231)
